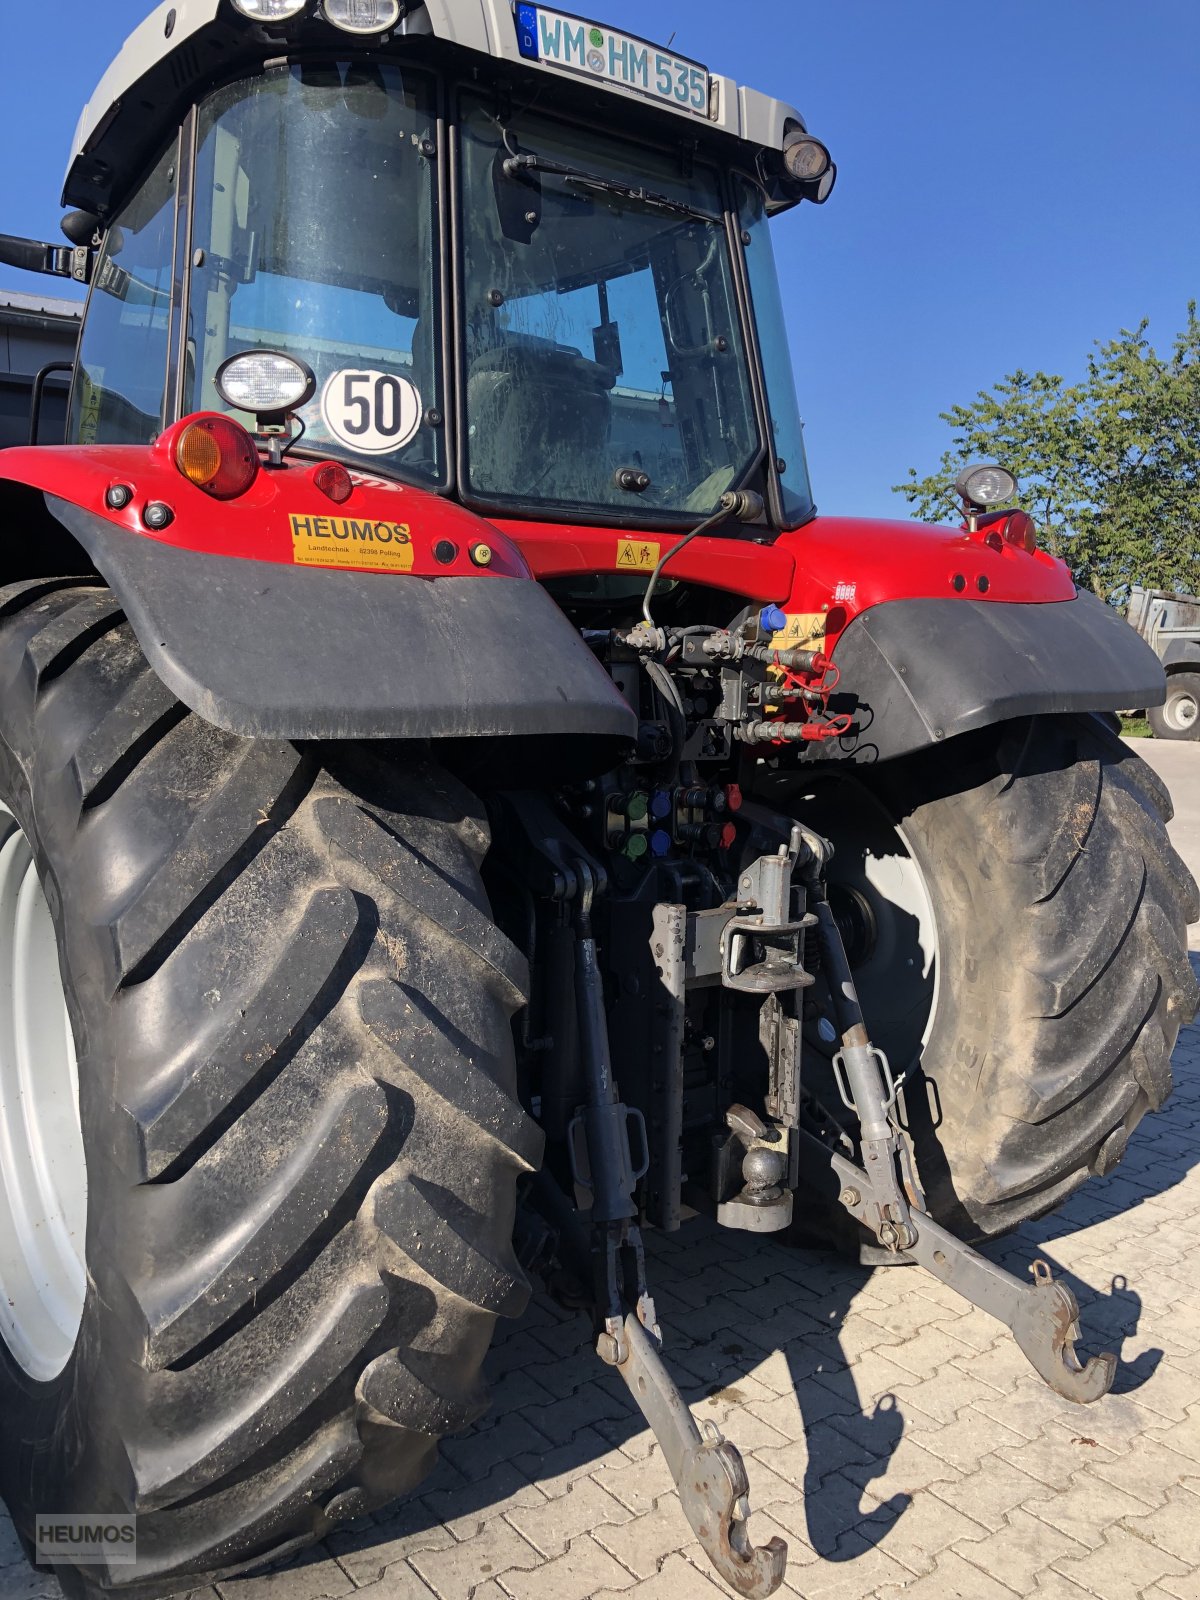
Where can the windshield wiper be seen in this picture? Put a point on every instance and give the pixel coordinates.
(519, 166)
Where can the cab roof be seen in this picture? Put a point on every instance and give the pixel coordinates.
(183, 44)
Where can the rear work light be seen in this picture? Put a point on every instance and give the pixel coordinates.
(270, 10)
(809, 165)
(267, 383)
(218, 456)
(985, 486)
(363, 16)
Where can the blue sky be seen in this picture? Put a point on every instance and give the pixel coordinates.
(1017, 179)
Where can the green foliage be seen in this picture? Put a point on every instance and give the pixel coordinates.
(1109, 467)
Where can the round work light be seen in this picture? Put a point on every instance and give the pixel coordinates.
(986, 486)
(265, 383)
(809, 165)
(806, 159)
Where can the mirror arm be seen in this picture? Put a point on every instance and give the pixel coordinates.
(56, 261)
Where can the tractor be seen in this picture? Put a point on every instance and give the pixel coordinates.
(462, 806)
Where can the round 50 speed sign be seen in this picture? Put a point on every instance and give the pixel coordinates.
(371, 412)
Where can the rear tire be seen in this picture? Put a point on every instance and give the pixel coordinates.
(1062, 977)
(292, 1012)
(1179, 716)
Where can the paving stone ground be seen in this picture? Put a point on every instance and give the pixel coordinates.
(894, 1437)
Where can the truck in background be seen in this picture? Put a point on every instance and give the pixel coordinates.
(1170, 625)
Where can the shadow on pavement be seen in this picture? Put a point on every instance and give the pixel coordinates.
(748, 1320)
(727, 1305)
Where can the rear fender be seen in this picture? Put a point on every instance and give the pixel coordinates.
(918, 672)
(937, 631)
(283, 615)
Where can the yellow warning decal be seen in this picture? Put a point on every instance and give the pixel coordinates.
(637, 555)
(805, 631)
(348, 542)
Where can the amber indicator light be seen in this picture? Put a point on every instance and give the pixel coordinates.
(218, 456)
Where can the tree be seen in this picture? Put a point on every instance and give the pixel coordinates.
(1110, 466)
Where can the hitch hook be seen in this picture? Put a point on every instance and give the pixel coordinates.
(1046, 1326)
(708, 1470)
(1043, 1315)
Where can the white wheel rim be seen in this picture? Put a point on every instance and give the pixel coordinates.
(1182, 711)
(43, 1172)
(898, 982)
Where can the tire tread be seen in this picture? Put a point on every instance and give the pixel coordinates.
(1080, 1032)
(312, 1140)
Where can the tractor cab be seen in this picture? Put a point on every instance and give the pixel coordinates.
(536, 276)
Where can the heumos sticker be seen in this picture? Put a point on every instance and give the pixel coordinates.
(347, 542)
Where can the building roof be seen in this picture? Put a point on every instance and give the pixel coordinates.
(39, 305)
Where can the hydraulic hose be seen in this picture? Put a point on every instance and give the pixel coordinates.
(718, 516)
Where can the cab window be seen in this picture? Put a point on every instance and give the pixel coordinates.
(314, 234)
(121, 378)
(602, 334)
(787, 429)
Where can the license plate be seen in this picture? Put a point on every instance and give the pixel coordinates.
(590, 50)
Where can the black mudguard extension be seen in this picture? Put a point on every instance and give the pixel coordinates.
(917, 672)
(277, 652)
(1182, 653)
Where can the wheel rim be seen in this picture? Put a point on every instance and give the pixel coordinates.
(898, 976)
(43, 1172)
(1182, 711)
